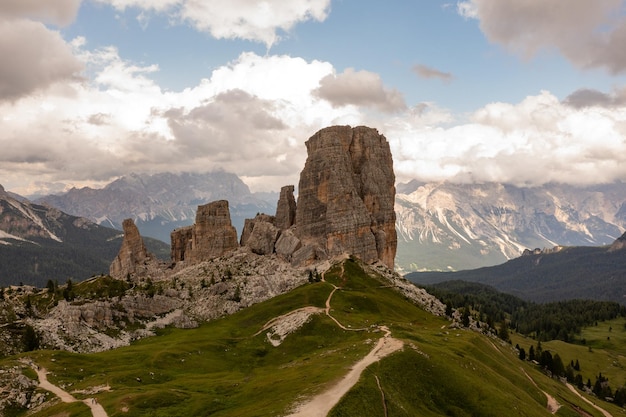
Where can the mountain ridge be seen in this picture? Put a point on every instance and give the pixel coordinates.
(446, 226)
(40, 243)
(161, 202)
(575, 272)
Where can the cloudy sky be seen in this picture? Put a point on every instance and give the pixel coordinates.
(519, 91)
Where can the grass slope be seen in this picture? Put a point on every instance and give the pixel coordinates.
(222, 369)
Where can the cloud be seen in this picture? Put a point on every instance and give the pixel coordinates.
(589, 33)
(589, 98)
(424, 71)
(34, 58)
(359, 88)
(236, 19)
(251, 117)
(58, 12)
(536, 141)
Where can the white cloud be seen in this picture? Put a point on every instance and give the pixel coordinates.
(149, 5)
(360, 88)
(536, 141)
(260, 21)
(58, 12)
(589, 33)
(34, 58)
(251, 117)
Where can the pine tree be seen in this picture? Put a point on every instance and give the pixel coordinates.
(503, 333)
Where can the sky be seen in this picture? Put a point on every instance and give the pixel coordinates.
(524, 92)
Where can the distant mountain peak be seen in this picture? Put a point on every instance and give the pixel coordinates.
(449, 226)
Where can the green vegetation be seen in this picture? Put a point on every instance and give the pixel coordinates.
(224, 369)
(561, 320)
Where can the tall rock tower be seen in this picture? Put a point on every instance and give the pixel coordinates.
(212, 235)
(132, 254)
(346, 195)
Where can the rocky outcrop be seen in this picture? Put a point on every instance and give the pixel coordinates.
(286, 208)
(211, 236)
(346, 196)
(132, 254)
(249, 224)
(263, 238)
(544, 251)
(181, 239)
(345, 203)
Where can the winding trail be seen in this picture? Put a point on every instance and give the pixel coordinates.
(96, 409)
(320, 405)
(597, 407)
(553, 404)
(382, 394)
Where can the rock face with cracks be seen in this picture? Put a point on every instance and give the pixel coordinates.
(346, 196)
(345, 205)
(211, 236)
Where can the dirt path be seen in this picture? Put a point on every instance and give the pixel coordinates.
(96, 409)
(553, 404)
(600, 409)
(321, 405)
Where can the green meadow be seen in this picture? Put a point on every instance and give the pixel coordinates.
(223, 369)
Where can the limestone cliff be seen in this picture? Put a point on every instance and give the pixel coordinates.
(132, 254)
(346, 195)
(212, 235)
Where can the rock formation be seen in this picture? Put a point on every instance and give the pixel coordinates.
(212, 235)
(132, 254)
(181, 243)
(260, 234)
(286, 208)
(346, 196)
(345, 205)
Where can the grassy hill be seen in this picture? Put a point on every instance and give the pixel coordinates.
(229, 368)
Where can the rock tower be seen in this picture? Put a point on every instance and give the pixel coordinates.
(132, 254)
(212, 235)
(346, 195)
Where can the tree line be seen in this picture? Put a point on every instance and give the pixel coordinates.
(562, 320)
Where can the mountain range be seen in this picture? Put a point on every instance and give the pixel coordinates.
(441, 226)
(448, 227)
(160, 203)
(40, 243)
(561, 273)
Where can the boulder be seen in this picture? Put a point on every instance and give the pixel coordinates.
(263, 238)
(287, 244)
(248, 226)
